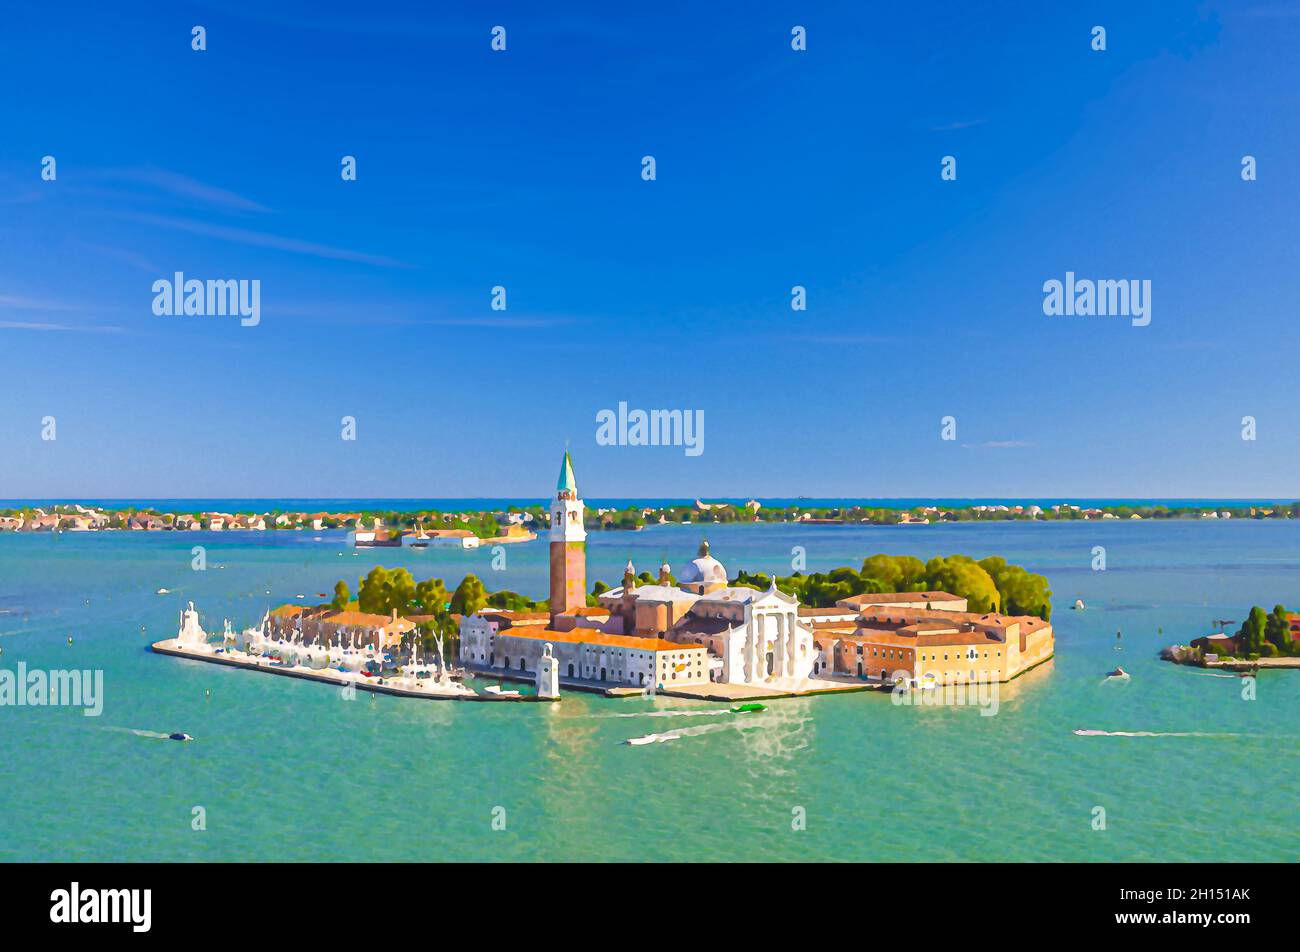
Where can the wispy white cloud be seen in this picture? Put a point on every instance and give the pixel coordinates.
(18, 303)
(45, 326)
(182, 186)
(260, 239)
(406, 314)
(125, 255)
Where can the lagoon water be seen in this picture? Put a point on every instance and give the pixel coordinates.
(288, 770)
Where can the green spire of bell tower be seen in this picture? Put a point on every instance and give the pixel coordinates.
(566, 480)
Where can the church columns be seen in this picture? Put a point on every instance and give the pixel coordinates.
(751, 663)
(791, 642)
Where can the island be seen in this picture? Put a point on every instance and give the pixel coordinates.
(896, 623)
(1264, 640)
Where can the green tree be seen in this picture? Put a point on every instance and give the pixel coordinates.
(894, 573)
(1251, 634)
(962, 576)
(1022, 592)
(469, 597)
(384, 591)
(431, 596)
(341, 596)
(1277, 630)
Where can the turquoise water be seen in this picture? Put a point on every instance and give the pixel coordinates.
(288, 770)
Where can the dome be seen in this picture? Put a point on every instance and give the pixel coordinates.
(704, 568)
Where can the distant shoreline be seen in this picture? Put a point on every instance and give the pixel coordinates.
(522, 522)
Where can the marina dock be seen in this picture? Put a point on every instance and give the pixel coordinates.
(330, 676)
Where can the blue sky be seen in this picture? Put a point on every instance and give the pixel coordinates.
(775, 168)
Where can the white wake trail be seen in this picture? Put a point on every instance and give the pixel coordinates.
(675, 734)
(1091, 733)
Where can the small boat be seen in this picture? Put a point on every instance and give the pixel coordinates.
(179, 735)
(1119, 673)
(750, 708)
(162, 591)
(1078, 605)
(497, 691)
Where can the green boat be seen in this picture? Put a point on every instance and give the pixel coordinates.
(752, 708)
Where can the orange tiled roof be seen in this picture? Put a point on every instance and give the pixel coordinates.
(879, 598)
(589, 636)
(361, 619)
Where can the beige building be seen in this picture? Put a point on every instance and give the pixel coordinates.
(329, 624)
(941, 601)
(945, 647)
(491, 640)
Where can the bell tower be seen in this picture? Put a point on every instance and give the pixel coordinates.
(568, 545)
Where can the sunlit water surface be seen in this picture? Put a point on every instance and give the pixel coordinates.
(287, 770)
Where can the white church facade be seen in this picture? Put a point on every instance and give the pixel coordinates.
(695, 630)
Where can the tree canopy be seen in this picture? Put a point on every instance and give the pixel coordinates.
(989, 585)
(469, 597)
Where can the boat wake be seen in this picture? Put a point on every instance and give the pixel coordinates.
(668, 714)
(138, 733)
(1090, 733)
(675, 734)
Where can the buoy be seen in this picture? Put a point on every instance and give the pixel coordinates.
(69, 639)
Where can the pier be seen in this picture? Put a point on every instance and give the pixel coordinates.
(339, 679)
